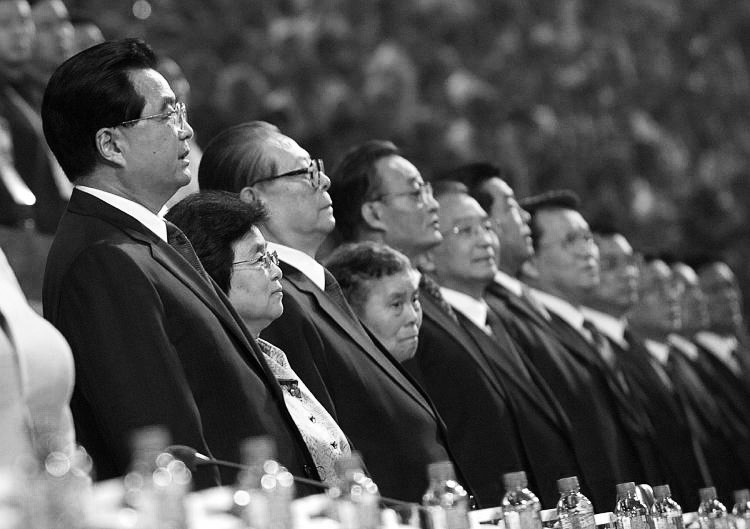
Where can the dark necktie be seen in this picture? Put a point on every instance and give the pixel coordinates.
(179, 241)
(430, 287)
(607, 355)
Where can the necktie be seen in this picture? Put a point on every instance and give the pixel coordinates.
(430, 287)
(179, 241)
(607, 355)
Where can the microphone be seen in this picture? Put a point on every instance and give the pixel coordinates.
(192, 459)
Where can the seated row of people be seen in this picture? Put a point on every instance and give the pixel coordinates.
(447, 326)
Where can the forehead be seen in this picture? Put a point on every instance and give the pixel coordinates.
(252, 242)
(152, 86)
(717, 274)
(685, 273)
(406, 281)
(557, 223)
(498, 189)
(49, 11)
(613, 245)
(11, 8)
(284, 150)
(655, 272)
(395, 170)
(455, 207)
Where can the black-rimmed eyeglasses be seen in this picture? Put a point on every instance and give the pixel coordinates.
(264, 261)
(313, 172)
(177, 116)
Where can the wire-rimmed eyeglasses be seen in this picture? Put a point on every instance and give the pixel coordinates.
(421, 194)
(313, 172)
(177, 116)
(264, 261)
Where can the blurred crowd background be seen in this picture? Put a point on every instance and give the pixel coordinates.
(641, 107)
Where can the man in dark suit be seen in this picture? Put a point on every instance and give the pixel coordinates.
(145, 323)
(382, 197)
(564, 266)
(464, 267)
(31, 155)
(386, 415)
(608, 307)
(714, 425)
(726, 337)
(576, 383)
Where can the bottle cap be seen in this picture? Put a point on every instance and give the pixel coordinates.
(349, 464)
(567, 484)
(625, 488)
(707, 493)
(257, 450)
(513, 480)
(661, 492)
(742, 496)
(441, 471)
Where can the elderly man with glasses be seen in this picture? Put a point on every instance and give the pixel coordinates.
(155, 341)
(385, 414)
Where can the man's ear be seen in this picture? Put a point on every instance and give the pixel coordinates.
(109, 143)
(249, 194)
(373, 215)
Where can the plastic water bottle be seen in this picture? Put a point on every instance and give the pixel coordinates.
(265, 489)
(157, 483)
(356, 502)
(741, 509)
(521, 507)
(630, 512)
(665, 512)
(574, 510)
(711, 512)
(446, 502)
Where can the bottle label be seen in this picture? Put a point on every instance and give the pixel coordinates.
(456, 518)
(740, 523)
(632, 522)
(714, 523)
(577, 521)
(433, 518)
(668, 522)
(525, 519)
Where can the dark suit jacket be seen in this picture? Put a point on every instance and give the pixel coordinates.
(720, 401)
(573, 374)
(675, 444)
(154, 343)
(32, 159)
(482, 428)
(500, 416)
(379, 407)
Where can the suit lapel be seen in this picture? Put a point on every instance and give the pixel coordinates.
(354, 329)
(85, 204)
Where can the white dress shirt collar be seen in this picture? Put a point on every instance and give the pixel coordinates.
(567, 311)
(509, 282)
(474, 309)
(311, 268)
(722, 347)
(613, 327)
(685, 346)
(153, 222)
(659, 350)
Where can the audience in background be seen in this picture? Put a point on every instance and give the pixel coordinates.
(32, 157)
